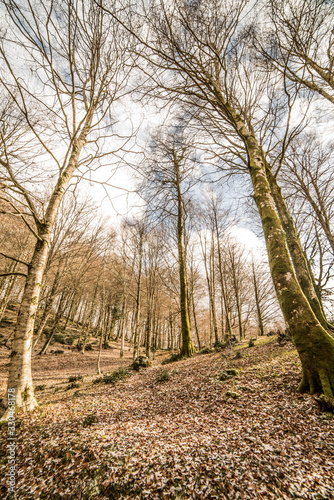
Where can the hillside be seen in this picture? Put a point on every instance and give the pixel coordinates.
(178, 431)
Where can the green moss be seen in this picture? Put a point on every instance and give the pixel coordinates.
(232, 371)
(25, 394)
(232, 394)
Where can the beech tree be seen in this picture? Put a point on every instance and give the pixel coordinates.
(298, 42)
(168, 179)
(309, 176)
(62, 96)
(203, 46)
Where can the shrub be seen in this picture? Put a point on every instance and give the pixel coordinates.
(90, 419)
(40, 387)
(61, 338)
(72, 385)
(284, 336)
(112, 378)
(219, 346)
(206, 350)
(171, 359)
(164, 375)
(74, 378)
(223, 376)
(231, 394)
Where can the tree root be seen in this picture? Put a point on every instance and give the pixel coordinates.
(320, 382)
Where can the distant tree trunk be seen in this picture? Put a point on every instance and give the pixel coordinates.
(101, 328)
(100, 351)
(89, 323)
(195, 320)
(210, 280)
(221, 275)
(138, 295)
(121, 354)
(237, 300)
(213, 289)
(9, 284)
(148, 333)
(187, 346)
(57, 319)
(48, 307)
(257, 301)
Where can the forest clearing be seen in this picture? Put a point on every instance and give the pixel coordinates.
(182, 435)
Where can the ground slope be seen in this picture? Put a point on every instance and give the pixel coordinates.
(186, 437)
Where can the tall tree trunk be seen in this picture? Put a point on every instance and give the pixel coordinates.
(187, 346)
(314, 345)
(301, 268)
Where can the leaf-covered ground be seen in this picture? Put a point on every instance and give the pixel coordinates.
(181, 438)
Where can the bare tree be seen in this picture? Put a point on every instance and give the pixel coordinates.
(75, 58)
(299, 43)
(168, 179)
(203, 47)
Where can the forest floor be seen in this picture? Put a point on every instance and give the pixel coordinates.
(174, 432)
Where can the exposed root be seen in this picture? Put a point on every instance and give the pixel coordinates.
(317, 383)
(326, 404)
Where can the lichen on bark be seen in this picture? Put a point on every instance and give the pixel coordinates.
(313, 343)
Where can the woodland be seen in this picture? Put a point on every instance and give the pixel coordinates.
(166, 249)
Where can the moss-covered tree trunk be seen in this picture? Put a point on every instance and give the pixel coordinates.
(187, 346)
(314, 345)
(300, 264)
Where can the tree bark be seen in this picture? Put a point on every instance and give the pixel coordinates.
(314, 345)
(257, 301)
(195, 319)
(301, 268)
(19, 378)
(138, 296)
(187, 346)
